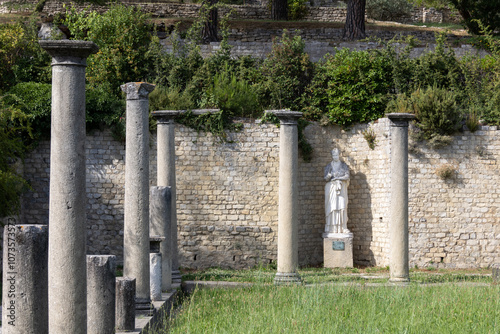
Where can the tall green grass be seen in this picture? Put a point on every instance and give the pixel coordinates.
(340, 309)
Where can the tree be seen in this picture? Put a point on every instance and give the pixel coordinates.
(354, 27)
(279, 10)
(486, 11)
(210, 16)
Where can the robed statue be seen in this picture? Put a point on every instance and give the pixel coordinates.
(337, 177)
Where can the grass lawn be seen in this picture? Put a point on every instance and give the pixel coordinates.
(340, 309)
(351, 307)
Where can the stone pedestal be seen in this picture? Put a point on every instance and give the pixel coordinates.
(136, 225)
(160, 223)
(288, 256)
(24, 287)
(125, 304)
(101, 294)
(67, 219)
(166, 178)
(398, 226)
(337, 250)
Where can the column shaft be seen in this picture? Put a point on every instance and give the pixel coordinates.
(136, 225)
(101, 294)
(24, 288)
(399, 262)
(125, 304)
(67, 221)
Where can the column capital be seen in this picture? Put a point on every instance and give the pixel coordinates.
(69, 52)
(286, 117)
(400, 119)
(137, 90)
(165, 116)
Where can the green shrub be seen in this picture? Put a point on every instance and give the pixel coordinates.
(437, 112)
(286, 72)
(170, 98)
(297, 9)
(14, 126)
(102, 107)
(231, 94)
(122, 34)
(34, 100)
(358, 86)
(388, 10)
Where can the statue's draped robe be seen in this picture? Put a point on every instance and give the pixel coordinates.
(336, 199)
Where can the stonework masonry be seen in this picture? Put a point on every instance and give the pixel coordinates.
(227, 196)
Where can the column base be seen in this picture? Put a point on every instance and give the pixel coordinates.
(337, 250)
(144, 305)
(400, 280)
(176, 276)
(287, 278)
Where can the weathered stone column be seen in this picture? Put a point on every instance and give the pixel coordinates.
(398, 226)
(125, 304)
(288, 256)
(101, 294)
(67, 229)
(25, 284)
(155, 275)
(136, 225)
(166, 178)
(160, 224)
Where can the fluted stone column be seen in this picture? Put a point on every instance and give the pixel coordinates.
(160, 225)
(288, 256)
(166, 178)
(398, 226)
(101, 294)
(125, 304)
(67, 220)
(136, 225)
(24, 288)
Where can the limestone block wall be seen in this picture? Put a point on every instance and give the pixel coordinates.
(456, 222)
(227, 196)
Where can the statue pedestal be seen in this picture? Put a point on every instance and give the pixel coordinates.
(337, 250)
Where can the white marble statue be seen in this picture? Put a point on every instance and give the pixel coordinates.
(337, 177)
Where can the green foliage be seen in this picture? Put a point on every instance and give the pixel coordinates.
(170, 98)
(438, 4)
(297, 9)
(437, 112)
(122, 34)
(33, 99)
(232, 94)
(286, 72)
(358, 84)
(14, 126)
(102, 107)
(388, 10)
(472, 11)
(21, 58)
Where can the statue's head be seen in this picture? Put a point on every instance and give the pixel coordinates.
(335, 154)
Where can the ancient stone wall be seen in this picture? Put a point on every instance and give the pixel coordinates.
(227, 196)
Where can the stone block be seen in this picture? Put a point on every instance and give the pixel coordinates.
(337, 250)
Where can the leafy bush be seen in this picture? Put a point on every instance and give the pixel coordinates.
(122, 34)
(297, 9)
(170, 98)
(286, 72)
(21, 58)
(102, 107)
(388, 10)
(14, 125)
(34, 100)
(358, 86)
(472, 11)
(231, 94)
(437, 112)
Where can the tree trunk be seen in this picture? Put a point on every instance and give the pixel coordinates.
(279, 10)
(210, 29)
(355, 20)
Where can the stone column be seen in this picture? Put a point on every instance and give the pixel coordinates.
(288, 256)
(136, 225)
(155, 275)
(160, 224)
(125, 304)
(67, 221)
(101, 294)
(166, 178)
(24, 287)
(398, 226)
